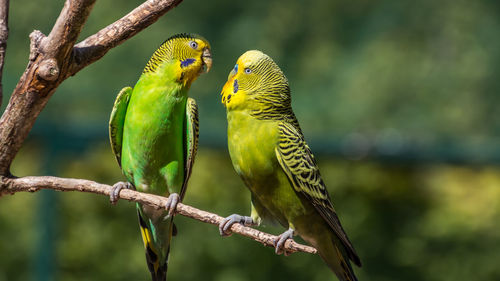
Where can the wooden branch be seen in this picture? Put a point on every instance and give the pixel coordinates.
(68, 26)
(32, 184)
(48, 58)
(97, 45)
(55, 57)
(4, 34)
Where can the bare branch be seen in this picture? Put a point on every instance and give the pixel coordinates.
(97, 45)
(51, 56)
(62, 38)
(36, 38)
(54, 58)
(4, 34)
(32, 184)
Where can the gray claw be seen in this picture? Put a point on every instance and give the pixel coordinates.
(225, 225)
(172, 201)
(115, 192)
(279, 243)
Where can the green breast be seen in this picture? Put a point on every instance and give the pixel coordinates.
(252, 145)
(153, 136)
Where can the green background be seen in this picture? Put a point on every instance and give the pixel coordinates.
(397, 99)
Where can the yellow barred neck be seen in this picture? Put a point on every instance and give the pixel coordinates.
(187, 62)
(161, 55)
(170, 49)
(257, 83)
(171, 71)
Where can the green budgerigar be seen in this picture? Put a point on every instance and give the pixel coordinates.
(153, 130)
(269, 153)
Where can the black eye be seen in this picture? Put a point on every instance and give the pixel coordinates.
(193, 45)
(248, 70)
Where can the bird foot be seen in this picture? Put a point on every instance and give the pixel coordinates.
(172, 201)
(225, 225)
(279, 243)
(114, 195)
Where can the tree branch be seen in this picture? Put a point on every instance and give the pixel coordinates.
(4, 34)
(49, 57)
(33, 184)
(55, 57)
(97, 45)
(68, 26)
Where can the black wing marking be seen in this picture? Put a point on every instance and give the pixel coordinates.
(117, 122)
(299, 164)
(192, 132)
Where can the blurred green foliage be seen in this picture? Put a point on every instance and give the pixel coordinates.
(393, 74)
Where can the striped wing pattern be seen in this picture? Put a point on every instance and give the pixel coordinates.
(117, 121)
(192, 133)
(297, 160)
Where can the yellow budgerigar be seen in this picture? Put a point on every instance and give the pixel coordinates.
(269, 153)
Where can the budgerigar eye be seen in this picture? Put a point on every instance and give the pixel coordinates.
(193, 45)
(248, 70)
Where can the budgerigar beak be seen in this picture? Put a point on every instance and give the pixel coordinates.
(206, 57)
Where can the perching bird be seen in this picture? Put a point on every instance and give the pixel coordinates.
(269, 153)
(153, 130)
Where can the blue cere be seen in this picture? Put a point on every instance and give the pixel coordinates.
(236, 68)
(235, 86)
(187, 62)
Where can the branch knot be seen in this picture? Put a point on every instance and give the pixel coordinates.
(5, 185)
(36, 38)
(48, 70)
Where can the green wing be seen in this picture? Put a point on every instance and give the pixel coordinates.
(297, 160)
(117, 120)
(191, 144)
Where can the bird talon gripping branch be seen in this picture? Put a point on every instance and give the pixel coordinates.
(279, 243)
(225, 225)
(114, 195)
(171, 204)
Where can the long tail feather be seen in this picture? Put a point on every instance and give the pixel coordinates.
(156, 244)
(337, 260)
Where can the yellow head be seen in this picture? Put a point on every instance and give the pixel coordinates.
(190, 54)
(256, 83)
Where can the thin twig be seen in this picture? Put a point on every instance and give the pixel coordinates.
(32, 184)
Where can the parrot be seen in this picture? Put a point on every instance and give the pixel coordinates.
(153, 130)
(268, 151)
